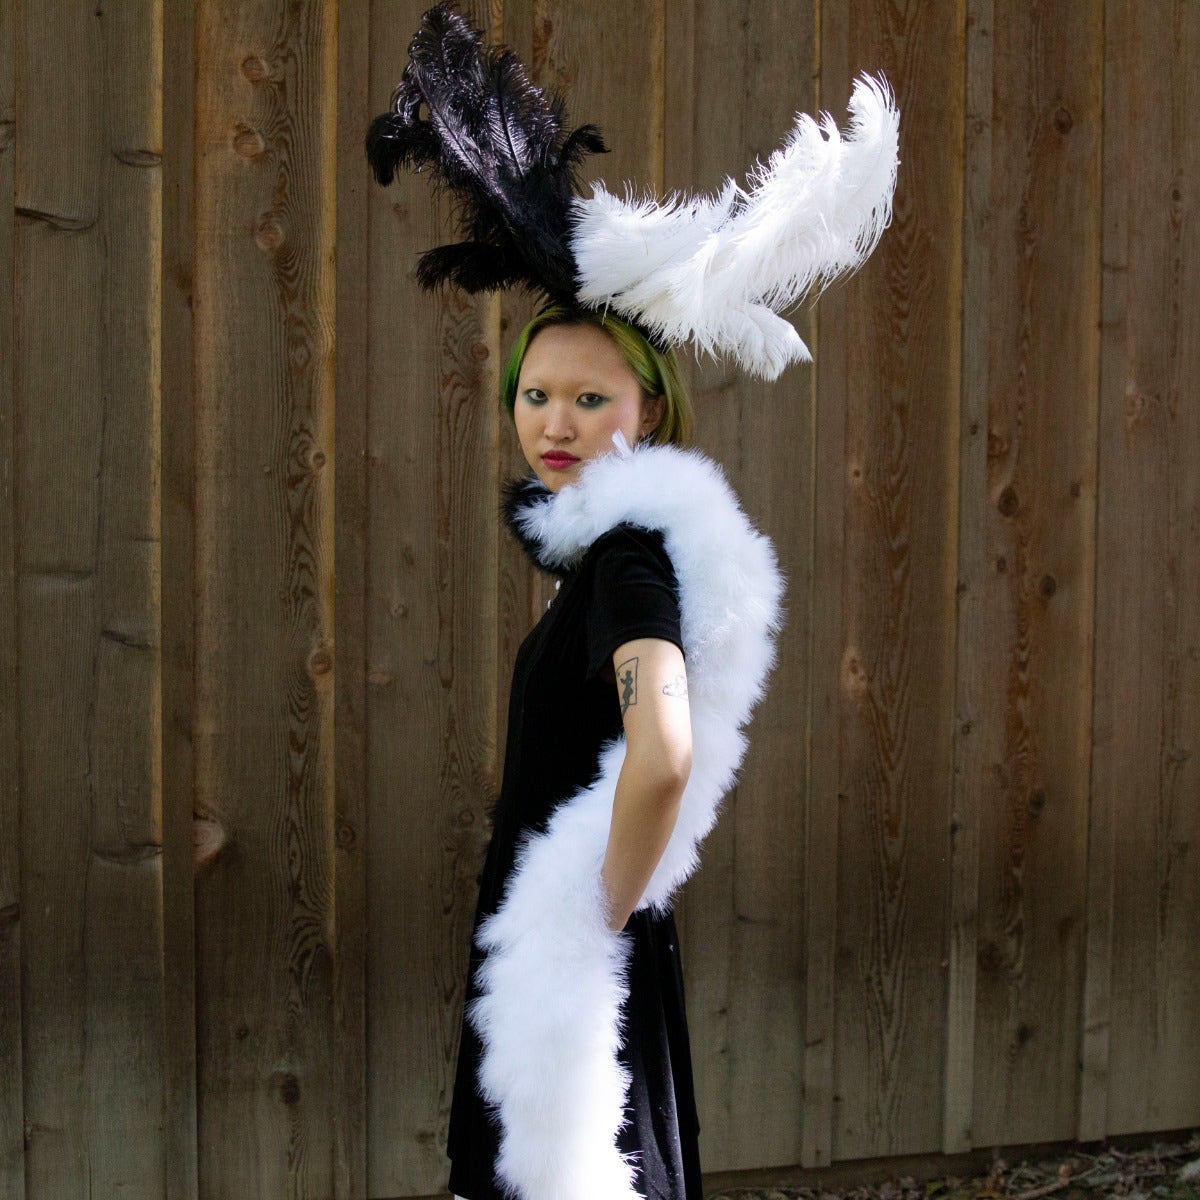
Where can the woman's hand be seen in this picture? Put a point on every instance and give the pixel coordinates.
(652, 687)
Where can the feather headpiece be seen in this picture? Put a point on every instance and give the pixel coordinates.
(713, 270)
(498, 143)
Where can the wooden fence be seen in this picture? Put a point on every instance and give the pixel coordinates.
(256, 609)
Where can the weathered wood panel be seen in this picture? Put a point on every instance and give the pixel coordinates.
(1142, 1053)
(178, 513)
(87, 197)
(521, 592)
(123, 894)
(886, 948)
(1031, 747)
(739, 86)
(350, 574)
(12, 1117)
(970, 684)
(890, 346)
(432, 492)
(264, 372)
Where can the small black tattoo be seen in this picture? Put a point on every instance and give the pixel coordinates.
(627, 680)
(677, 687)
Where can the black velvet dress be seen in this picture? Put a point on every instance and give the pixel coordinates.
(563, 709)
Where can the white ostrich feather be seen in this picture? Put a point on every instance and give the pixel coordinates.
(716, 270)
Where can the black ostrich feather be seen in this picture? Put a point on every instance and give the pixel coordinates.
(497, 143)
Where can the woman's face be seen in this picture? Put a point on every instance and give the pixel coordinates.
(574, 392)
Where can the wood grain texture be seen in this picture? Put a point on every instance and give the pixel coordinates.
(744, 912)
(87, 194)
(1142, 1047)
(894, 340)
(431, 651)
(522, 592)
(264, 310)
(12, 1116)
(971, 692)
(822, 817)
(1043, 312)
(350, 573)
(960, 857)
(177, 614)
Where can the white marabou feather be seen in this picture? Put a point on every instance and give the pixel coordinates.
(553, 983)
(718, 270)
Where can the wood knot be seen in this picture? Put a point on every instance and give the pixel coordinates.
(242, 1032)
(1037, 800)
(289, 1090)
(248, 142)
(320, 661)
(1063, 121)
(1008, 503)
(856, 680)
(208, 840)
(1048, 586)
(269, 235)
(254, 69)
(346, 835)
(480, 352)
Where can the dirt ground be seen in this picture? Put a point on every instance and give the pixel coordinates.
(1162, 1171)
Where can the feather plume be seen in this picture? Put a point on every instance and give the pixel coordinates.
(717, 270)
(498, 144)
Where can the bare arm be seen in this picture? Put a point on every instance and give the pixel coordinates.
(652, 686)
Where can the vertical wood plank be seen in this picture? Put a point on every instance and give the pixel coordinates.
(1038, 595)
(12, 1116)
(264, 298)
(521, 591)
(971, 696)
(1141, 1063)
(177, 616)
(891, 341)
(432, 488)
(88, 198)
(745, 911)
(822, 817)
(704, 910)
(350, 574)
(123, 893)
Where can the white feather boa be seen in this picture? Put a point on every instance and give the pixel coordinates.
(717, 269)
(553, 983)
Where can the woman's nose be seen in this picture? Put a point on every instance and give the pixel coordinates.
(558, 420)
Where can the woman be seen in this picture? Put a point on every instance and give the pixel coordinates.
(607, 658)
(630, 696)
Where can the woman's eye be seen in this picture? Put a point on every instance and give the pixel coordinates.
(592, 399)
(535, 396)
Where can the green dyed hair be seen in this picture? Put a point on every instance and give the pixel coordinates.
(657, 371)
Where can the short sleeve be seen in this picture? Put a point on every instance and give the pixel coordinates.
(634, 594)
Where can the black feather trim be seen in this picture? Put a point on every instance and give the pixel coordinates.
(498, 144)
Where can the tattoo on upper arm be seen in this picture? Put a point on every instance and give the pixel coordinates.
(627, 682)
(677, 687)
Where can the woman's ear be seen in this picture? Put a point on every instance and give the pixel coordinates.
(653, 408)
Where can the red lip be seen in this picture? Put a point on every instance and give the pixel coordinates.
(559, 459)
